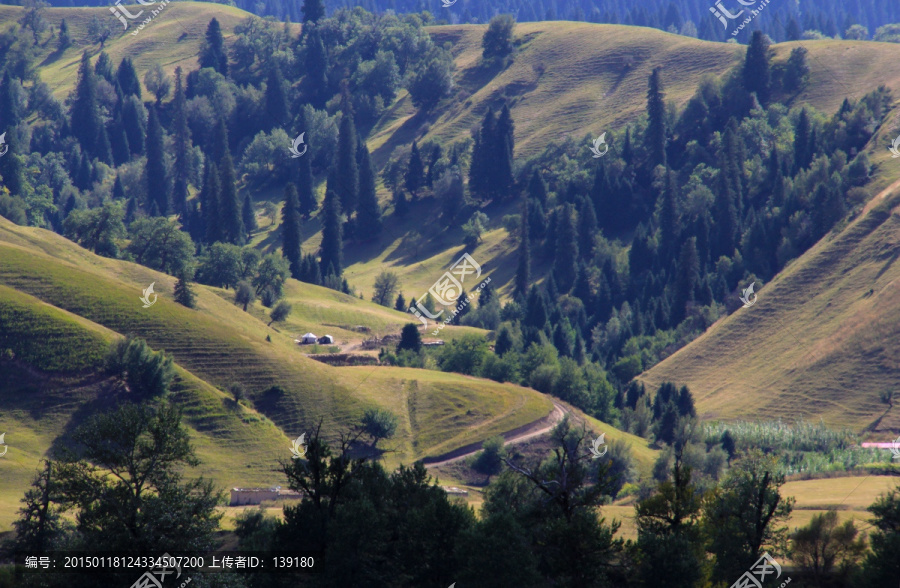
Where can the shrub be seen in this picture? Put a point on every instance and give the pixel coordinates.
(147, 373)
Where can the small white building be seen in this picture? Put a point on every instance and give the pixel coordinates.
(326, 340)
(308, 339)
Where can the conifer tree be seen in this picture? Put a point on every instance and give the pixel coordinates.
(127, 78)
(655, 139)
(219, 145)
(755, 74)
(480, 169)
(669, 221)
(566, 260)
(212, 51)
(400, 303)
(290, 230)
(248, 215)
(725, 215)
(277, 106)
(118, 188)
(133, 122)
(182, 146)
(103, 68)
(317, 67)
(587, 229)
(523, 271)
(313, 10)
(802, 134)
(229, 203)
(155, 169)
(184, 295)
(305, 188)
(502, 156)
(415, 171)
(331, 252)
(368, 214)
(432, 165)
(210, 196)
(537, 189)
(687, 279)
(118, 139)
(87, 124)
(346, 172)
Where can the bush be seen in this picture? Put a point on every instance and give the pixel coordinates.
(147, 373)
(489, 460)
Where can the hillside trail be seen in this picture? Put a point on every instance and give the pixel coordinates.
(535, 429)
(880, 196)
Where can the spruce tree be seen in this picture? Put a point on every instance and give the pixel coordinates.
(331, 253)
(155, 169)
(133, 121)
(415, 171)
(316, 66)
(290, 230)
(182, 146)
(587, 229)
(502, 157)
(480, 169)
(725, 215)
(184, 295)
(103, 68)
(537, 189)
(802, 133)
(566, 259)
(212, 51)
(400, 303)
(248, 215)
(669, 220)
(346, 174)
(305, 188)
(210, 196)
(276, 99)
(230, 204)
(687, 279)
(432, 165)
(313, 10)
(368, 214)
(755, 74)
(523, 271)
(118, 189)
(87, 123)
(127, 78)
(655, 139)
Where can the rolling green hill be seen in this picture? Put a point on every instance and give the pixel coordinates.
(61, 305)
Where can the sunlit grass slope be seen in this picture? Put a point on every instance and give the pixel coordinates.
(216, 345)
(821, 341)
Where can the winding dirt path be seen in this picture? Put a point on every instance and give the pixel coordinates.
(518, 435)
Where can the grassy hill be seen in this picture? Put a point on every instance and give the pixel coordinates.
(66, 304)
(820, 342)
